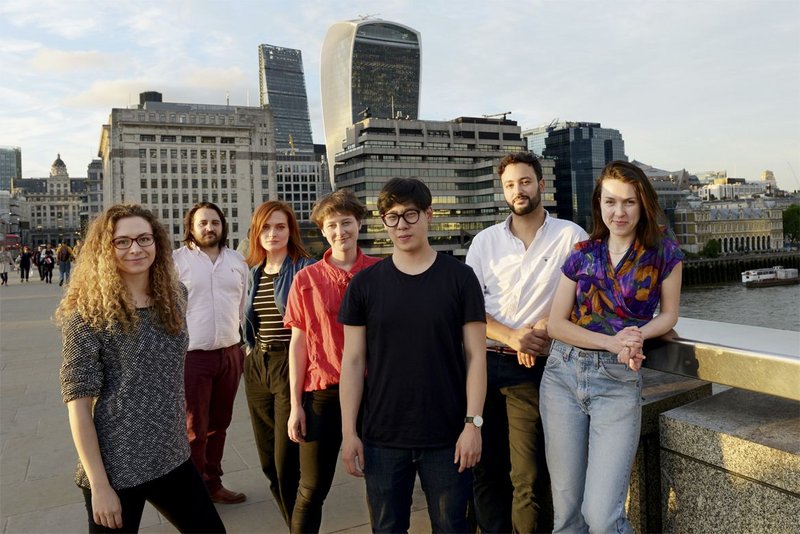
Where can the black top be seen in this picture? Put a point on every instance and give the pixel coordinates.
(415, 388)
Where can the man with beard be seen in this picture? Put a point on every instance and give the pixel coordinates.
(518, 264)
(216, 278)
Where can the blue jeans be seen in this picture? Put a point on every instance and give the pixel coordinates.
(591, 412)
(390, 475)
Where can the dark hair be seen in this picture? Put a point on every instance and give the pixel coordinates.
(526, 158)
(257, 254)
(188, 222)
(402, 191)
(648, 231)
(342, 201)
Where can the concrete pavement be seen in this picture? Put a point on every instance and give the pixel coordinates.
(37, 458)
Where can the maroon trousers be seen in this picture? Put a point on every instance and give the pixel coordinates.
(211, 378)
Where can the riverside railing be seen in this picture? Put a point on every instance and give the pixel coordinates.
(747, 357)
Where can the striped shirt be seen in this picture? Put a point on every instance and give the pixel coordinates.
(270, 322)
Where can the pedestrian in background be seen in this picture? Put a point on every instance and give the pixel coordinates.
(24, 261)
(6, 264)
(124, 342)
(48, 264)
(64, 256)
(276, 254)
(602, 313)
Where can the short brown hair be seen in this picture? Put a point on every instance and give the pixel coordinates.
(526, 158)
(342, 201)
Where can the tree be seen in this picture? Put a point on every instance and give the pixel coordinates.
(791, 223)
(712, 249)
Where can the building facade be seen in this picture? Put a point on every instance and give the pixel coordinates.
(10, 166)
(283, 90)
(169, 156)
(456, 159)
(51, 207)
(368, 68)
(739, 227)
(580, 151)
(92, 201)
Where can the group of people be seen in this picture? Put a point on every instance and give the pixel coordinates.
(44, 258)
(509, 384)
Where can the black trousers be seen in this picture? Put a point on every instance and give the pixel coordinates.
(266, 382)
(180, 496)
(512, 484)
(318, 457)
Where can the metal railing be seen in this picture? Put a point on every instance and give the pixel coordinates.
(748, 357)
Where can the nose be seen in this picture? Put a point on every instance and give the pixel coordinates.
(135, 247)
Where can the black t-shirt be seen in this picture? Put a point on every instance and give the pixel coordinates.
(415, 389)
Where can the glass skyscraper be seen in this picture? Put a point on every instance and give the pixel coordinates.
(369, 68)
(282, 86)
(580, 151)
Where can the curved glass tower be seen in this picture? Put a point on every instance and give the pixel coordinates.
(368, 68)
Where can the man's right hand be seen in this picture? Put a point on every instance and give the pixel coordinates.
(353, 455)
(528, 342)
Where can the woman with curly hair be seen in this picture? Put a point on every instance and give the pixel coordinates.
(275, 255)
(124, 341)
(602, 312)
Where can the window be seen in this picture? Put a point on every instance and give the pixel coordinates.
(206, 139)
(227, 140)
(168, 139)
(147, 137)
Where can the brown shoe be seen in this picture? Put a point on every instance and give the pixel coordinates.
(226, 496)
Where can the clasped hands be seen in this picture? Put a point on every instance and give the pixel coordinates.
(628, 344)
(530, 340)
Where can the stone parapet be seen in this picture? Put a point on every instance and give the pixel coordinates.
(731, 463)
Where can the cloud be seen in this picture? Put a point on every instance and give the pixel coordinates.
(108, 94)
(49, 60)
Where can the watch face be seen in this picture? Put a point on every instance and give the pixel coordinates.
(477, 421)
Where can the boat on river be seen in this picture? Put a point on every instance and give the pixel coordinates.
(773, 276)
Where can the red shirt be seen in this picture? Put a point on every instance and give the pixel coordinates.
(312, 307)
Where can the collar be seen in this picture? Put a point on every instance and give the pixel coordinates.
(507, 224)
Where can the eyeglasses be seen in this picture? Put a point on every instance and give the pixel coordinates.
(122, 243)
(392, 219)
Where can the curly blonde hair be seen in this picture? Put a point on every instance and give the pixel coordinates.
(97, 292)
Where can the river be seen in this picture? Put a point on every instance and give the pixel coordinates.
(770, 307)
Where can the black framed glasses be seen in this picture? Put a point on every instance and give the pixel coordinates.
(122, 243)
(392, 219)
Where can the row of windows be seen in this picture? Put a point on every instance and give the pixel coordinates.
(187, 139)
(173, 183)
(185, 168)
(184, 197)
(441, 173)
(187, 153)
(434, 186)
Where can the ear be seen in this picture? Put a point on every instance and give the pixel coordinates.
(429, 213)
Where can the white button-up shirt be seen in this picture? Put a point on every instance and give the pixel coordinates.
(216, 296)
(519, 284)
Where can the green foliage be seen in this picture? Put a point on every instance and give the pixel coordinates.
(712, 249)
(791, 223)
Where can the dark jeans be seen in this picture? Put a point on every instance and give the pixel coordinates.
(266, 380)
(390, 475)
(24, 272)
(318, 457)
(212, 379)
(63, 270)
(512, 484)
(48, 274)
(180, 496)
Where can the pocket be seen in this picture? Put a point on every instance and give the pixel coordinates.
(619, 372)
(554, 361)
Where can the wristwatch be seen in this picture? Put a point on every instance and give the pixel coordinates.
(476, 420)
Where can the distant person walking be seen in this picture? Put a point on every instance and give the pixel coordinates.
(24, 260)
(125, 339)
(48, 264)
(6, 264)
(64, 256)
(276, 254)
(38, 255)
(602, 312)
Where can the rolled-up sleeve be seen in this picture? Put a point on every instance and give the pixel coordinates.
(81, 367)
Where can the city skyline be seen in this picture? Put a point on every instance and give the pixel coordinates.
(703, 85)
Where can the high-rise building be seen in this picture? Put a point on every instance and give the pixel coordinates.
(580, 151)
(169, 156)
(456, 159)
(92, 202)
(368, 68)
(283, 89)
(282, 86)
(10, 166)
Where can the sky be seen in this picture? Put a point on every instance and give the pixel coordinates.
(700, 85)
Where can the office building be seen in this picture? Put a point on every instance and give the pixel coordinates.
(369, 68)
(580, 151)
(10, 166)
(92, 201)
(169, 156)
(456, 159)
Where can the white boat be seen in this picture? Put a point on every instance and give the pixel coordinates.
(773, 276)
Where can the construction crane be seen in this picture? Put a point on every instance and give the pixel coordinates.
(495, 115)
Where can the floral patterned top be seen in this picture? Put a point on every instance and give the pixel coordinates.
(609, 298)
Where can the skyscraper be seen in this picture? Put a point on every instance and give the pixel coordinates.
(282, 86)
(369, 68)
(580, 150)
(10, 166)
